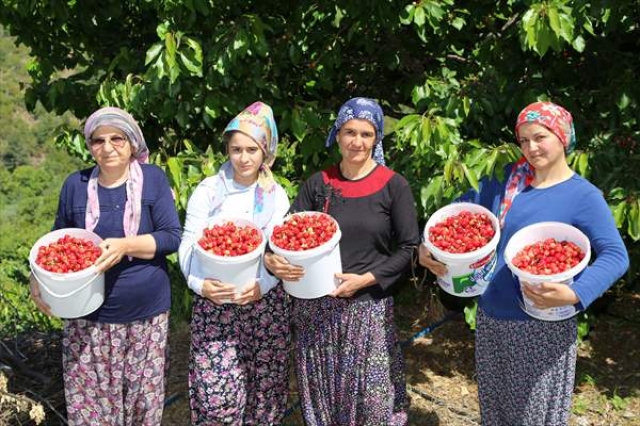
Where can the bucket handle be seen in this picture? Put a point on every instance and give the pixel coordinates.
(62, 296)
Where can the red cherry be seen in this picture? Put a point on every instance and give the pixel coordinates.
(67, 254)
(228, 239)
(463, 232)
(304, 231)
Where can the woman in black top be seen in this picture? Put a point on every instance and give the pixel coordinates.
(348, 361)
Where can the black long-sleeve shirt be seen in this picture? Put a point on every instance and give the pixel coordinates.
(377, 218)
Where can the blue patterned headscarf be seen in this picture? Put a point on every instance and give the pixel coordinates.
(364, 109)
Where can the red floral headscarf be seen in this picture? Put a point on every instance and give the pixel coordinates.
(555, 118)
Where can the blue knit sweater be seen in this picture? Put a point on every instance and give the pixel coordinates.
(135, 289)
(576, 202)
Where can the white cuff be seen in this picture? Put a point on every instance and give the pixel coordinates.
(266, 281)
(196, 284)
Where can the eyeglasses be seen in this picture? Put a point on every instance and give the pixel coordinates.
(116, 141)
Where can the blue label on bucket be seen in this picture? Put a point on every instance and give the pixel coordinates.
(483, 275)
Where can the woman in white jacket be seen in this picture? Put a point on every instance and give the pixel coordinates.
(238, 369)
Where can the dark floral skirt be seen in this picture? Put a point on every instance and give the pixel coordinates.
(526, 371)
(238, 367)
(348, 362)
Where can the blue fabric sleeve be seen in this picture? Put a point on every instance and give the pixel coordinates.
(594, 218)
(164, 215)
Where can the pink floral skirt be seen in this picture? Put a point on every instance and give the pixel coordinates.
(114, 373)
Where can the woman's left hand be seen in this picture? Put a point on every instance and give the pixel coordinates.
(113, 250)
(549, 295)
(351, 283)
(250, 293)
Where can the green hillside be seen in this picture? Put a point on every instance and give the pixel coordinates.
(32, 170)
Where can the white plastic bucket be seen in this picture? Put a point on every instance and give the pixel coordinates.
(74, 294)
(541, 231)
(237, 270)
(320, 266)
(468, 274)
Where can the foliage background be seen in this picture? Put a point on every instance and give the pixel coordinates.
(451, 76)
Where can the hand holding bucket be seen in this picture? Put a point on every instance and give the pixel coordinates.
(280, 267)
(545, 299)
(237, 271)
(319, 264)
(548, 295)
(426, 259)
(67, 295)
(217, 291)
(465, 274)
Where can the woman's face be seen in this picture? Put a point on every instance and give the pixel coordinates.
(246, 158)
(110, 148)
(540, 146)
(356, 139)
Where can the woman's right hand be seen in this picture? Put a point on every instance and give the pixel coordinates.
(217, 291)
(281, 268)
(34, 289)
(426, 259)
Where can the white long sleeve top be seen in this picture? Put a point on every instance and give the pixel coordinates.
(239, 203)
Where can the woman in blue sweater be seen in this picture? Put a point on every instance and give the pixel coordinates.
(114, 358)
(526, 367)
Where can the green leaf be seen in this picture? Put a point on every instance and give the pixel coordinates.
(529, 20)
(419, 16)
(211, 107)
(448, 171)
(554, 20)
(633, 220)
(174, 167)
(584, 325)
(545, 39)
(297, 125)
(583, 164)
(191, 58)
(458, 23)
(466, 105)
(471, 176)
(579, 44)
(431, 194)
(470, 313)
(405, 126)
(425, 127)
(566, 25)
(623, 102)
(162, 29)
(174, 73)
(619, 212)
(170, 52)
(153, 53)
(338, 17)
(406, 17)
(419, 93)
(588, 26)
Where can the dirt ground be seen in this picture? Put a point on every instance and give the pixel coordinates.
(439, 365)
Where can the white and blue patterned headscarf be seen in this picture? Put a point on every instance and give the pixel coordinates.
(364, 109)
